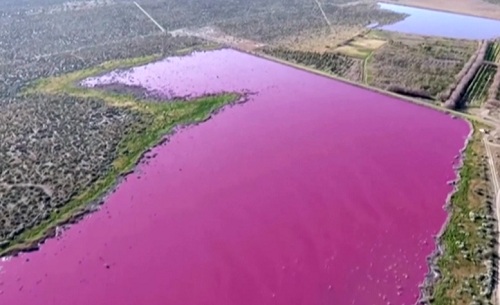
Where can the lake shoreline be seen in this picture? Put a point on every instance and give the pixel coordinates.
(87, 202)
(434, 274)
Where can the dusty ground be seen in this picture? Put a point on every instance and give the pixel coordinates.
(469, 7)
(215, 35)
(324, 40)
(361, 46)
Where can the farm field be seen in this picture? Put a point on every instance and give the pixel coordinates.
(361, 46)
(421, 66)
(330, 62)
(493, 52)
(476, 92)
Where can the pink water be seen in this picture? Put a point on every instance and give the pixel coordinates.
(313, 192)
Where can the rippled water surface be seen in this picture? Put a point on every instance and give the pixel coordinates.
(313, 192)
(437, 23)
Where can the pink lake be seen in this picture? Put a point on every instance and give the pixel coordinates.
(313, 192)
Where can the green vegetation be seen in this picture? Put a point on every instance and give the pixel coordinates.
(466, 272)
(330, 62)
(477, 91)
(366, 75)
(493, 52)
(158, 119)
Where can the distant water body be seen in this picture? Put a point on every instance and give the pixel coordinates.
(313, 192)
(437, 23)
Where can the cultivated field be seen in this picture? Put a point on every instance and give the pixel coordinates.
(330, 62)
(361, 46)
(419, 66)
(476, 92)
(493, 52)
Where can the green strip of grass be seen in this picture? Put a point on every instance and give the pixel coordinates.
(476, 92)
(461, 230)
(366, 71)
(159, 120)
(492, 52)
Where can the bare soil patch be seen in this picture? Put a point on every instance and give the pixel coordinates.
(353, 51)
(361, 46)
(214, 34)
(367, 43)
(323, 40)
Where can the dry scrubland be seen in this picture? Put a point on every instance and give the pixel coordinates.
(54, 146)
(50, 151)
(268, 21)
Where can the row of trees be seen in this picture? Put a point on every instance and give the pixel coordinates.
(465, 77)
(326, 61)
(494, 91)
(445, 95)
(418, 93)
(493, 52)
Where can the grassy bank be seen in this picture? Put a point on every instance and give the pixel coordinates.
(158, 119)
(466, 241)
